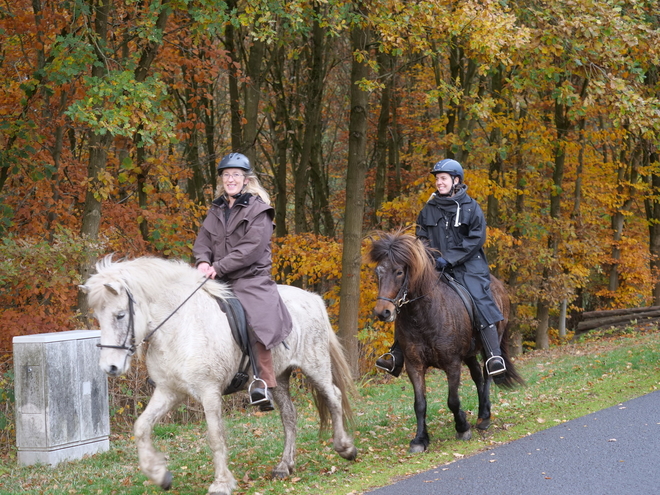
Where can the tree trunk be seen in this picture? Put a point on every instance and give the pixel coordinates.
(252, 98)
(234, 97)
(387, 77)
(313, 98)
(354, 210)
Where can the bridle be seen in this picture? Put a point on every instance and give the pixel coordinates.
(401, 299)
(132, 348)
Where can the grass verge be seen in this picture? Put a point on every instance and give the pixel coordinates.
(562, 384)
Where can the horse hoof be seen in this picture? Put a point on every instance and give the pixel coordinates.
(483, 424)
(416, 448)
(349, 454)
(166, 484)
(279, 474)
(466, 435)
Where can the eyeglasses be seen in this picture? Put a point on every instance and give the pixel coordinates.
(235, 176)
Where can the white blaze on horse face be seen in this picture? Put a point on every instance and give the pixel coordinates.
(114, 318)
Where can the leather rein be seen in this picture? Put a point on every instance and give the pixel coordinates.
(132, 348)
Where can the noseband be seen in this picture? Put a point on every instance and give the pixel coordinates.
(131, 330)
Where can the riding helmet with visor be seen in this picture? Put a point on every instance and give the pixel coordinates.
(234, 160)
(448, 166)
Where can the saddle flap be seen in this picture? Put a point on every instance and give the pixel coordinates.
(233, 308)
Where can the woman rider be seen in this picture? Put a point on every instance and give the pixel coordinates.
(454, 224)
(233, 245)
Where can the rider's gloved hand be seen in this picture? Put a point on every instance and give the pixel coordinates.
(441, 263)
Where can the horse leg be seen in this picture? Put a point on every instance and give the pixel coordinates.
(483, 392)
(330, 399)
(288, 415)
(224, 482)
(152, 462)
(463, 431)
(417, 375)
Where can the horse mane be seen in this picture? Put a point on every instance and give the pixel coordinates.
(406, 250)
(148, 276)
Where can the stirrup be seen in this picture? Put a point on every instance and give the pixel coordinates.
(265, 389)
(389, 370)
(496, 359)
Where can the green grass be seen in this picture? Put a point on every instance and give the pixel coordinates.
(563, 383)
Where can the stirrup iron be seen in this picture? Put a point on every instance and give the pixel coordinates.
(265, 387)
(393, 362)
(496, 359)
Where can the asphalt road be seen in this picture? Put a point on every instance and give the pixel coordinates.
(610, 452)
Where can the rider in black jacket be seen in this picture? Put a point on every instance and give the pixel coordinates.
(454, 224)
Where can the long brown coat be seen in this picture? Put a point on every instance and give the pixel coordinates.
(236, 241)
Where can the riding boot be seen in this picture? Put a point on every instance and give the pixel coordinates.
(494, 361)
(264, 381)
(392, 361)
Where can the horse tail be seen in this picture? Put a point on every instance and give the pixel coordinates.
(342, 378)
(512, 378)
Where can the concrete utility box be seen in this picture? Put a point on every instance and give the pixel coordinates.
(61, 397)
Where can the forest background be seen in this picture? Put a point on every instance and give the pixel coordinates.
(114, 113)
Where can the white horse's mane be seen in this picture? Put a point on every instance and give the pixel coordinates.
(149, 275)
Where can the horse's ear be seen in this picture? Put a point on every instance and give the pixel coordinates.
(114, 288)
(84, 289)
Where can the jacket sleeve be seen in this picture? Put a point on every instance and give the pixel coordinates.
(251, 247)
(420, 228)
(203, 247)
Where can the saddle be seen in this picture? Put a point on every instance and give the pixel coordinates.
(465, 296)
(233, 308)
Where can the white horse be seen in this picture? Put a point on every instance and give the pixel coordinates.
(193, 353)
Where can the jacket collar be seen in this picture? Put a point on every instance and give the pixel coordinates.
(242, 200)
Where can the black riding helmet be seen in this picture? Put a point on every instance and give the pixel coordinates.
(448, 166)
(234, 160)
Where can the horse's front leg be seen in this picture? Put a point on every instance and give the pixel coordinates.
(152, 461)
(224, 482)
(483, 391)
(454, 402)
(417, 375)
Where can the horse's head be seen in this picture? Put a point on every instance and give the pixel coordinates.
(403, 269)
(118, 316)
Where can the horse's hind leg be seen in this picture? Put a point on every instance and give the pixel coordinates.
(152, 462)
(224, 482)
(483, 391)
(463, 431)
(329, 396)
(288, 414)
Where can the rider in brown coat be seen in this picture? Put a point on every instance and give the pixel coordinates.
(233, 245)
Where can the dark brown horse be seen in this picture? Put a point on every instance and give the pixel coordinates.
(433, 328)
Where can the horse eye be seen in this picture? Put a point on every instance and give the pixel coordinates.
(399, 273)
(120, 316)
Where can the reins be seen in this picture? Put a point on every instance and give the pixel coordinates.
(131, 323)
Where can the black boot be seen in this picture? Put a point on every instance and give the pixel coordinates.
(494, 362)
(260, 395)
(392, 361)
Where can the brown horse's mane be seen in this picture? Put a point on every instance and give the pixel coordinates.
(406, 250)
